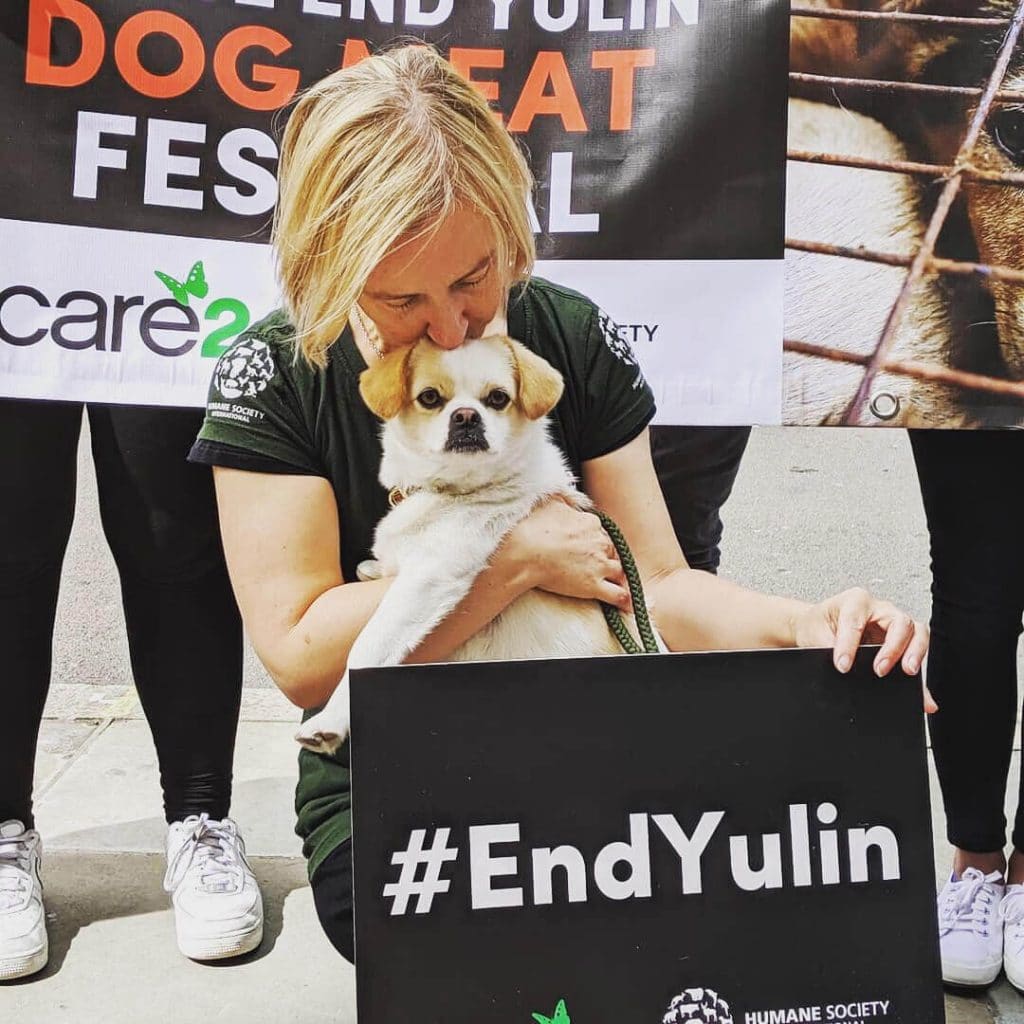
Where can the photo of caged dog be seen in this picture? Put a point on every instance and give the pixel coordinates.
(466, 447)
(967, 322)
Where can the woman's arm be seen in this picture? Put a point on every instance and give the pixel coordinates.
(282, 546)
(699, 611)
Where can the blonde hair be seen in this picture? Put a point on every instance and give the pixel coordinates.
(378, 152)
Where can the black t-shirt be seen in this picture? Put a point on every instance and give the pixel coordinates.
(269, 411)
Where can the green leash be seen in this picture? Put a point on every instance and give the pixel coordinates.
(612, 614)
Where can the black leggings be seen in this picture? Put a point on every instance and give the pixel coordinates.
(971, 486)
(184, 631)
(696, 468)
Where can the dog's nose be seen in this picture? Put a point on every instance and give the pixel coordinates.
(465, 419)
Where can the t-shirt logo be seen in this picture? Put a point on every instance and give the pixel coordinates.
(615, 339)
(245, 370)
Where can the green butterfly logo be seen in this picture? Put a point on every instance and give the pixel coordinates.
(560, 1017)
(195, 284)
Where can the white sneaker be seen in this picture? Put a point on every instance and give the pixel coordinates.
(1011, 910)
(218, 912)
(971, 929)
(23, 944)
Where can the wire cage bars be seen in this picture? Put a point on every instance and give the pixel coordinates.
(924, 261)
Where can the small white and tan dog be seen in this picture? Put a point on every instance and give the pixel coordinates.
(466, 445)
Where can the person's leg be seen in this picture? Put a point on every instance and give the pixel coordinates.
(697, 467)
(332, 897)
(971, 499)
(37, 506)
(185, 640)
(971, 492)
(184, 631)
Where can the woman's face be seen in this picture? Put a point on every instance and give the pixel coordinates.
(445, 286)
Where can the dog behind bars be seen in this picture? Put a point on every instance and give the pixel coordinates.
(985, 331)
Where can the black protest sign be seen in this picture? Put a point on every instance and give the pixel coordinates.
(717, 837)
(655, 127)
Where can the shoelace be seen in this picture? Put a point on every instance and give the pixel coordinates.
(968, 905)
(16, 868)
(213, 847)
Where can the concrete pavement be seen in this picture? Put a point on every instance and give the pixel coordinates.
(813, 512)
(113, 958)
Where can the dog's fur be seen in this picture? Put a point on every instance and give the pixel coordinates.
(465, 487)
(844, 303)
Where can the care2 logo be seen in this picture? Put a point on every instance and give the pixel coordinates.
(195, 284)
(81, 320)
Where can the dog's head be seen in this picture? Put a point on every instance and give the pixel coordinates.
(450, 412)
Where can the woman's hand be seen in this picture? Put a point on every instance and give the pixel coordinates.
(566, 551)
(853, 617)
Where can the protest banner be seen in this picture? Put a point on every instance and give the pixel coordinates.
(140, 144)
(731, 838)
(905, 266)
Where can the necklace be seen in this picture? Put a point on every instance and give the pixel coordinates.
(369, 329)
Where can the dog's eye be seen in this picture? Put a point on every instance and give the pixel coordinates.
(430, 398)
(497, 399)
(1008, 131)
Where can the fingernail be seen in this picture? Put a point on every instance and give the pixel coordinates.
(912, 665)
(882, 666)
(844, 663)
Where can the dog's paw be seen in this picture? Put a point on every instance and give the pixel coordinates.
(321, 736)
(320, 742)
(370, 569)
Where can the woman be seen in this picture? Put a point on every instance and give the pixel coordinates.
(402, 215)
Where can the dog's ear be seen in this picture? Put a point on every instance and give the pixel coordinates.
(385, 385)
(540, 384)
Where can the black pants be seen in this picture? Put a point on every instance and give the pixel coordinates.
(973, 498)
(184, 631)
(332, 897)
(696, 468)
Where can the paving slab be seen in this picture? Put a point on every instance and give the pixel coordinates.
(969, 1010)
(1007, 1003)
(109, 798)
(113, 956)
(59, 743)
